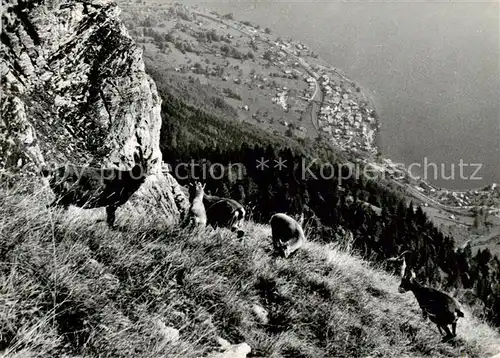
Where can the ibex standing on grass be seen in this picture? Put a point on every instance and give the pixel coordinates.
(288, 235)
(89, 188)
(197, 215)
(224, 212)
(442, 309)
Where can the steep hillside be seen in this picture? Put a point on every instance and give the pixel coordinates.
(275, 83)
(71, 287)
(190, 130)
(74, 90)
(239, 71)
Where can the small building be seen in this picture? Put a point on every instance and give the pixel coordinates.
(327, 129)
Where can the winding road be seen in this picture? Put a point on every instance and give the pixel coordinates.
(316, 99)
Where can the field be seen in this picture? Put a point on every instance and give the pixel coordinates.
(72, 287)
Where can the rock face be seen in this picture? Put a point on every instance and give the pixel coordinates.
(74, 89)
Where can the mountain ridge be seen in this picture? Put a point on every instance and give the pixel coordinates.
(75, 91)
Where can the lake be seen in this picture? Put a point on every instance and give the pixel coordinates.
(432, 67)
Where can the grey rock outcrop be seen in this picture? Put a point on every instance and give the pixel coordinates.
(74, 89)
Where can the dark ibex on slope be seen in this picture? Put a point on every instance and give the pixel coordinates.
(441, 308)
(89, 188)
(288, 235)
(224, 212)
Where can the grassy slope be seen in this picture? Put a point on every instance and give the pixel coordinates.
(70, 285)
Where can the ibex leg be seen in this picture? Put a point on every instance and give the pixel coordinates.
(448, 333)
(454, 329)
(110, 215)
(440, 330)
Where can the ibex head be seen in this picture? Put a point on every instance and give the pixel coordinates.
(407, 276)
(142, 163)
(407, 281)
(283, 249)
(196, 189)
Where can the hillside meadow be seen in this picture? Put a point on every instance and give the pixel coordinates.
(71, 287)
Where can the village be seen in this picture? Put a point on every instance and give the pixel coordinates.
(487, 197)
(342, 118)
(349, 124)
(279, 84)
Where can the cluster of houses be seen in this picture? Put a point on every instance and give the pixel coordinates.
(489, 196)
(453, 198)
(471, 197)
(281, 99)
(462, 199)
(296, 48)
(485, 196)
(350, 125)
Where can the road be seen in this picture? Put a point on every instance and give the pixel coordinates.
(317, 98)
(315, 107)
(315, 103)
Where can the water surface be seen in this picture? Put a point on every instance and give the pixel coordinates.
(432, 67)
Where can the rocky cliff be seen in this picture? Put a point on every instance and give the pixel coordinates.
(74, 90)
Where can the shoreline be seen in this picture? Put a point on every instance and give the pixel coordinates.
(383, 138)
(368, 96)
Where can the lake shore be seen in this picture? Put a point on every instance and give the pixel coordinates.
(434, 97)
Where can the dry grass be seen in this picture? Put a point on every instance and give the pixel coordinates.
(71, 287)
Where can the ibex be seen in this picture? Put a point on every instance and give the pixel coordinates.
(442, 309)
(288, 235)
(197, 214)
(89, 188)
(224, 212)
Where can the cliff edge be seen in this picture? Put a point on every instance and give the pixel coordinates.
(74, 90)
